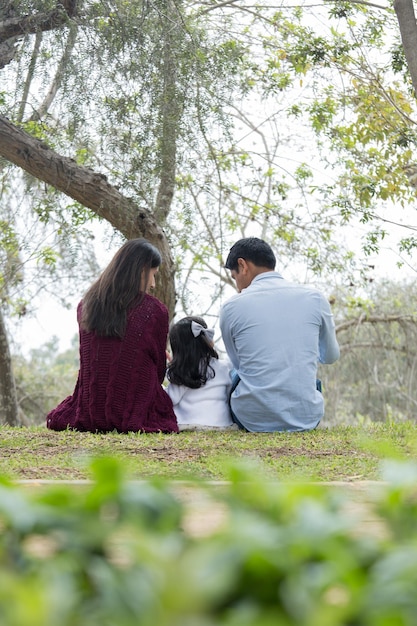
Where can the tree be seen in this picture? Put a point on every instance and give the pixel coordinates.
(298, 49)
(83, 185)
(166, 86)
(58, 373)
(407, 22)
(8, 408)
(117, 45)
(364, 118)
(47, 165)
(91, 189)
(375, 378)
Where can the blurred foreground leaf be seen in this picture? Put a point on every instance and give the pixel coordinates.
(116, 553)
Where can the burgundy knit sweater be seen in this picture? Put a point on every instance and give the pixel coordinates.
(119, 385)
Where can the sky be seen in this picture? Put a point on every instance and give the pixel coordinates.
(53, 320)
(50, 317)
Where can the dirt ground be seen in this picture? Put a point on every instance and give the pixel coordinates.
(44, 449)
(204, 514)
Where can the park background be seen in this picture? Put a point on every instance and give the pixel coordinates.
(195, 124)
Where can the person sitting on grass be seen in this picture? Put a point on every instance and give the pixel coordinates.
(199, 383)
(123, 336)
(275, 334)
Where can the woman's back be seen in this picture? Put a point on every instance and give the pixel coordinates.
(119, 385)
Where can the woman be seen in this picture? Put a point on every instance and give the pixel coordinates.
(123, 335)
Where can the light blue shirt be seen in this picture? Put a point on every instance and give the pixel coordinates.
(275, 333)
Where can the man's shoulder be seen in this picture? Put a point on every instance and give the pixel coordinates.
(230, 303)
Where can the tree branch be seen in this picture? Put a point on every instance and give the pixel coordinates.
(375, 319)
(29, 77)
(170, 110)
(14, 27)
(30, 24)
(44, 106)
(92, 190)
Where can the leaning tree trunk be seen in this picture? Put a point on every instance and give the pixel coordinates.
(92, 190)
(8, 400)
(406, 17)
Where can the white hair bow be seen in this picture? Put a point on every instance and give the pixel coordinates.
(197, 329)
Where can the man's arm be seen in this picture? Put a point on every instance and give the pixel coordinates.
(227, 338)
(329, 350)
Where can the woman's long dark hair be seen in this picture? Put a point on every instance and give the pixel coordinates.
(119, 288)
(190, 365)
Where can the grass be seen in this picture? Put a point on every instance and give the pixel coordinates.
(337, 454)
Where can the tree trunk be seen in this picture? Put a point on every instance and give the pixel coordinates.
(92, 190)
(170, 109)
(8, 400)
(406, 17)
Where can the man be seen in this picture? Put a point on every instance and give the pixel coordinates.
(274, 332)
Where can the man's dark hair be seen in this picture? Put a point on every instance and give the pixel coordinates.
(252, 249)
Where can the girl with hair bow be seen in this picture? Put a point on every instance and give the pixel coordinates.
(199, 383)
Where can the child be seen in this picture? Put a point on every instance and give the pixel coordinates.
(199, 383)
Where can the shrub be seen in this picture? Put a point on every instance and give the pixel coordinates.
(115, 553)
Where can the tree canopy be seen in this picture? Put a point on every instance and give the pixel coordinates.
(194, 124)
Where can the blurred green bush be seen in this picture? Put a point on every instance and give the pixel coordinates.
(115, 553)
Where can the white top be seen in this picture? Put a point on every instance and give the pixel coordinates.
(207, 405)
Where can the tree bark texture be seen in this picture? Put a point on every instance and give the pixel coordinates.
(406, 17)
(92, 190)
(13, 26)
(17, 26)
(8, 400)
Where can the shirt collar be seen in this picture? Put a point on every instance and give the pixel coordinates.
(266, 275)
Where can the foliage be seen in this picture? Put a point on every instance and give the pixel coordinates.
(255, 91)
(326, 81)
(289, 123)
(44, 378)
(118, 553)
(375, 378)
(361, 108)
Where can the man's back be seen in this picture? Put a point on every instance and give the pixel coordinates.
(274, 333)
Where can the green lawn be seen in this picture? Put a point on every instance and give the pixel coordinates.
(338, 454)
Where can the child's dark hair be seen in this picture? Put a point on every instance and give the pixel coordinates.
(190, 365)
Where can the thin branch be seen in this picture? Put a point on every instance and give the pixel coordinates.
(351, 347)
(376, 319)
(219, 6)
(233, 5)
(29, 76)
(44, 106)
